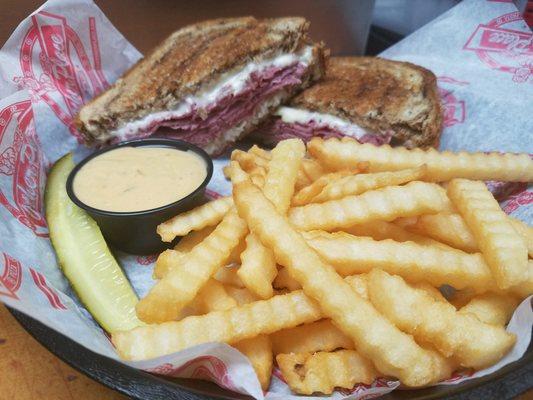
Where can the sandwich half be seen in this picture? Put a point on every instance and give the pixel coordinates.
(210, 83)
(368, 98)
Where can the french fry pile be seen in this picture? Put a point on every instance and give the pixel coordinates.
(328, 261)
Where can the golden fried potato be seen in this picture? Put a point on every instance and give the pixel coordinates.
(314, 169)
(322, 372)
(185, 245)
(285, 281)
(193, 238)
(492, 308)
(235, 255)
(310, 338)
(187, 275)
(526, 232)
(524, 289)
(502, 247)
(359, 284)
(230, 326)
(287, 157)
(357, 184)
(471, 342)
(259, 352)
(351, 255)
(381, 230)
(228, 276)
(393, 352)
(307, 193)
(209, 214)
(385, 204)
(448, 228)
(335, 154)
(213, 297)
(258, 266)
(241, 295)
(248, 161)
(258, 349)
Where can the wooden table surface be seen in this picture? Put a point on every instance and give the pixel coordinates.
(30, 372)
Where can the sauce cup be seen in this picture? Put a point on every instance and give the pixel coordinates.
(135, 231)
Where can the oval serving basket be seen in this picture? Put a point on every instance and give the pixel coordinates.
(503, 384)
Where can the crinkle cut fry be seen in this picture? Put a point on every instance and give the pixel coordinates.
(287, 157)
(524, 289)
(452, 230)
(187, 275)
(442, 166)
(381, 230)
(185, 245)
(228, 276)
(259, 351)
(322, 372)
(351, 313)
(492, 308)
(386, 204)
(258, 266)
(313, 169)
(310, 338)
(286, 311)
(350, 255)
(357, 184)
(285, 281)
(213, 297)
(526, 232)
(471, 342)
(193, 238)
(444, 227)
(307, 193)
(230, 326)
(208, 214)
(502, 247)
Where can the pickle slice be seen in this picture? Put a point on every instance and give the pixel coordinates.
(84, 257)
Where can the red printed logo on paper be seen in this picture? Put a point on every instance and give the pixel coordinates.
(212, 195)
(147, 260)
(504, 49)
(458, 376)
(379, 383)
(48, 292)
(207, 368)
(21, 164)
(503, 191)
(11, 277)
(67, 78)
(518, 200)
(454, 109)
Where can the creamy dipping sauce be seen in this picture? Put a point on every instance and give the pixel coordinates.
(139, 178)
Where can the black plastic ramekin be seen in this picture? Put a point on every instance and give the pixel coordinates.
(135, 232)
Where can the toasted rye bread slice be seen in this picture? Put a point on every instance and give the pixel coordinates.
(380, 95)
(189, 59)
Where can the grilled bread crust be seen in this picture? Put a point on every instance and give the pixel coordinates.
(188, 60)
(379, 95)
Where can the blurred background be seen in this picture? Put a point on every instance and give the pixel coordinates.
(349, 27)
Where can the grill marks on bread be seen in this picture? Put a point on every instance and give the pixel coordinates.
(186, 61)
(380, 95)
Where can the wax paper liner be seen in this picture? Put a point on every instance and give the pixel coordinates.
(67, 51)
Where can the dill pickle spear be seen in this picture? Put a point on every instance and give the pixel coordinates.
(85, 258)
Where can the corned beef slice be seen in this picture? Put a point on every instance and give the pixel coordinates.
(276, 130)
(200, 126)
